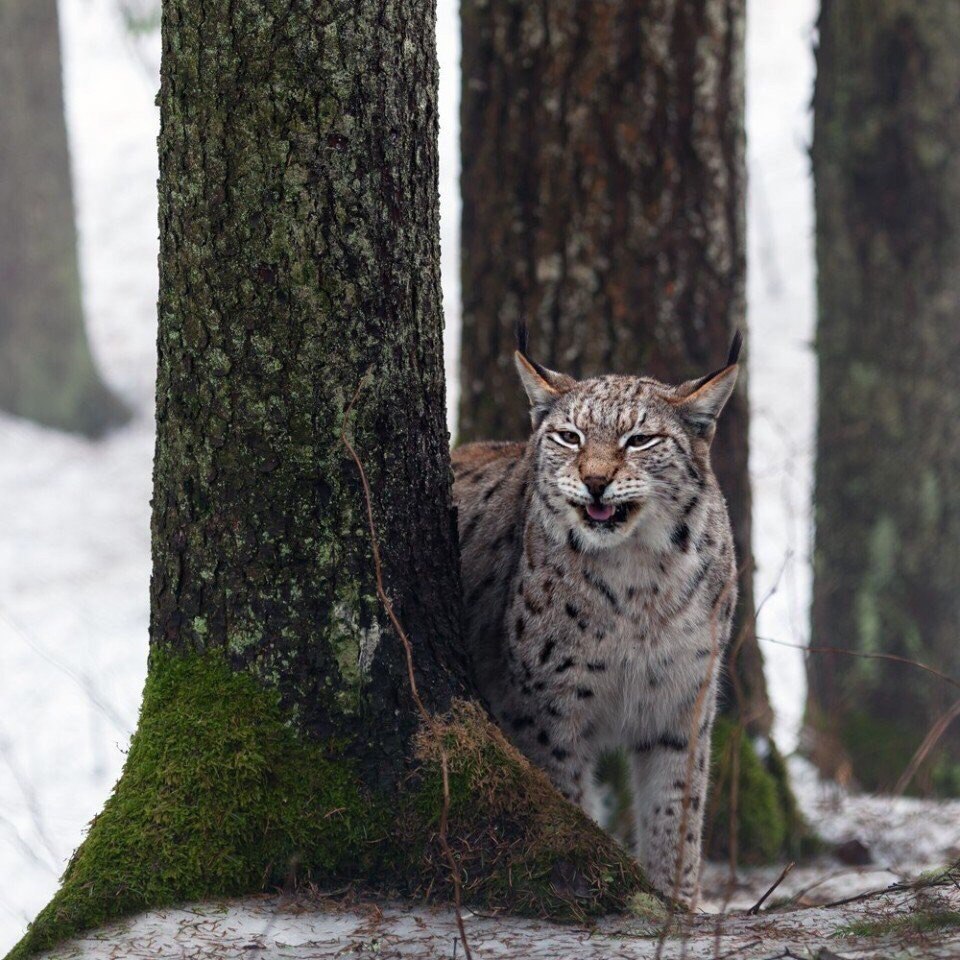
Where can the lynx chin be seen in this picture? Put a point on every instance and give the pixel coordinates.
(600, 584)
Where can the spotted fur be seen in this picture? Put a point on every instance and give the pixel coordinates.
(589, 635)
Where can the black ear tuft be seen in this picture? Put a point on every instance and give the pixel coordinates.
(735, 346)
(522, 333)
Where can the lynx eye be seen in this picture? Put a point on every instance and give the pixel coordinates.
(566, 438)
(642, 441)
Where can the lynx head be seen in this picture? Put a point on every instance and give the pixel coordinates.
(620, 457)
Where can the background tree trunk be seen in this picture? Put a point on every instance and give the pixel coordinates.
(886, 162)
(603, 200)
(299, 225)
(46, 370)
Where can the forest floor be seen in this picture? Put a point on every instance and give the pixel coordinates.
(903, 903)
(915, 921)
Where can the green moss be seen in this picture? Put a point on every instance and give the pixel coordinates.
(520, 845)
(947, 872)
(613, 772)
(799, 840)
(644, 906)
(883, 747)
(220, 796)
(767, 819)
(921, 921)
(945, 777)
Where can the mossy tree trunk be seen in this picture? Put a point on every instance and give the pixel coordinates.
(603, 200)
(886, 163)
(47, 372)
(290, 157)
(299, 260)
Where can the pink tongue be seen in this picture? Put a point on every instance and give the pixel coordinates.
(600, 511)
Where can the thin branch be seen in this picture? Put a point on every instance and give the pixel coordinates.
(929, 742)
(755, 909)
(375, 549)
(939, 727)
(947, 877)
(82, 680)
(408, 651)
(892, 657)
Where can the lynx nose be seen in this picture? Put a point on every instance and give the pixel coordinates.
(596, 485)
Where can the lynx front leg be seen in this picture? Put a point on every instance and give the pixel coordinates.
(669, 798)
(559, 749)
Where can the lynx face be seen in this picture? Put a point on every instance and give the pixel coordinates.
(615, 460)
(621, 457)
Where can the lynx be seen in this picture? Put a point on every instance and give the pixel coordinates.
(600, 584)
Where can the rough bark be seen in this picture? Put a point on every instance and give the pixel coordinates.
(886, 162)
(278, 739)
(292, 148)
(47, 373)
(603, 200)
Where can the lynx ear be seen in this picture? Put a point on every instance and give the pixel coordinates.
(700, 402)
(543, 386)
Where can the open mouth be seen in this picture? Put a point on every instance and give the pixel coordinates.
(606, 515)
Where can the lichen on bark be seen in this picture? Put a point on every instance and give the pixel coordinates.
(292, 146)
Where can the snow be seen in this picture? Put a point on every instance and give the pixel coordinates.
(272, 927)
(74, 515)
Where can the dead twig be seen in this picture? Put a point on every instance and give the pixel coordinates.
(428, 719)
(819, 882)
(738, 951)
(892, 657)
(948, 876)
(755, 909)
(929, 742)
(939, 727)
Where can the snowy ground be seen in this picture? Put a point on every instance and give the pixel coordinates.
(312, 928)
(74, 538)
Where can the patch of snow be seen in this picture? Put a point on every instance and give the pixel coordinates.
(271, 927)
(905, 834)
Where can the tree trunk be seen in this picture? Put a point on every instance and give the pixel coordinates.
(603, 200)
(299, 261)
(46, 370)
(886, 162)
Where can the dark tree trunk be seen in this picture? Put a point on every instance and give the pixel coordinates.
(603, 200)
(886, 162)
(311, 278)
(299, 259)
(46, 370)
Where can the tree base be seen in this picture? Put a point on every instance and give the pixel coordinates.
(769, 825)
(221, 797)
(87, 407)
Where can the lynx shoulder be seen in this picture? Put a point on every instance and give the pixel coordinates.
(600, 584)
